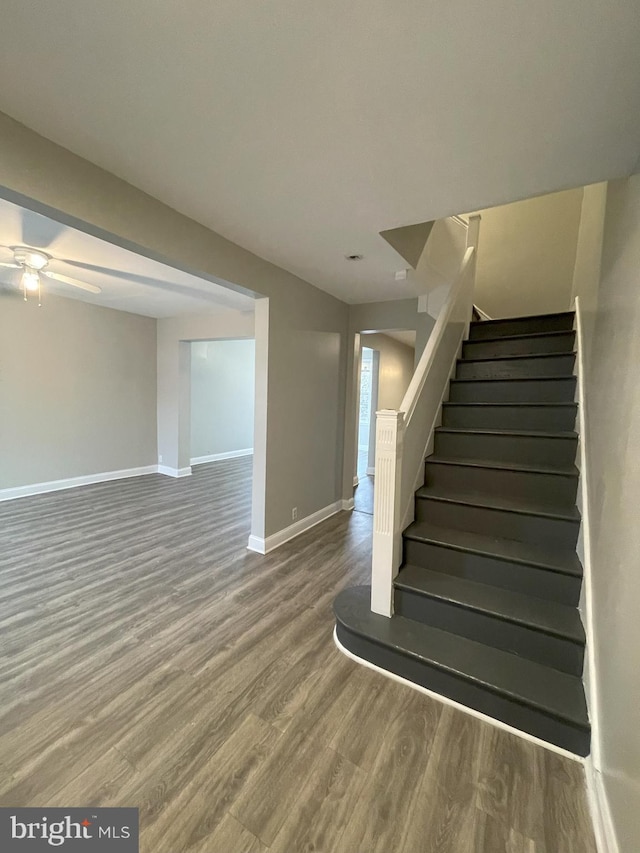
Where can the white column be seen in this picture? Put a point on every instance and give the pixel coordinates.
(386, 510)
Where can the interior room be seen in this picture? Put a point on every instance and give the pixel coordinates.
(319, 417)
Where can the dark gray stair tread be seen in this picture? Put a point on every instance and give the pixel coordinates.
(516, 357)
(528, 506)
(515, 432)
(550, 558)
(550, 691)
(516, 378)
(495, 320)
(532, 405)
(570, 471)
(559, 620)
(551, 334)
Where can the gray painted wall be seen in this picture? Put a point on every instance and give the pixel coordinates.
(526, 255)
(307, 329)
(613, 447)
(222, 394)
(77, 390)
(397, 314)
(395, 370)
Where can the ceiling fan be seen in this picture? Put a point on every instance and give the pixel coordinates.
(34, 263)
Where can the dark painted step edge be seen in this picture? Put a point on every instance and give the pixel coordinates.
(494, 614)
(515, 433)
(517, 357)
(525, 317)
(494, 555)
(576, 742)
(525, 336)
(532, 405)
(562, 378)
(469, 501)
(497, 466)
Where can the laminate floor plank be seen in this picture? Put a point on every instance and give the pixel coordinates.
(148, 659)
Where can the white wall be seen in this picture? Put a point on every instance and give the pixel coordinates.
(613, 455)
(77, 390)
(222, 395)
(526, 255)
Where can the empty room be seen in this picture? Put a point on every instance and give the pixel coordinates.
(319, 333)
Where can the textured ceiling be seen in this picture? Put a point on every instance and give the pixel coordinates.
(301, 130)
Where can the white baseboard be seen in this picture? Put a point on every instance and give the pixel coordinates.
(348, 504)
(174, 472)
(215, 457)
(264, 546)
(446, 701)
(355, 481)
(371, 472)
(73, 482)
(603, 827)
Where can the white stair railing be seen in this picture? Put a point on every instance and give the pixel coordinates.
(404, 437)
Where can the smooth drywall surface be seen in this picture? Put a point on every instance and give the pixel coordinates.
(586, 275)
(395, 370)
(222, 395)
(175, 335)
(307, 329)
(526, 255)
(77, 390)
(394, 315)
(613, 448)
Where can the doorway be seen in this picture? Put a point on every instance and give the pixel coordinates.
(368, 403)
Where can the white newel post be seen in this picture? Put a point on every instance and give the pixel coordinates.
(386, 509)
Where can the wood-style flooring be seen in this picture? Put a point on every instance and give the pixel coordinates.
(148, 659)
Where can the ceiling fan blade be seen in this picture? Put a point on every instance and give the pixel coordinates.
(91, 288)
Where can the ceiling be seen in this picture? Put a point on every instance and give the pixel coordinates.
(129, 281)
(301, 130)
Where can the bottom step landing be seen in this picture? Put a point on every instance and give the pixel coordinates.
(542, 702)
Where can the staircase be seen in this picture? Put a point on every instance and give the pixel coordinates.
(485, 603)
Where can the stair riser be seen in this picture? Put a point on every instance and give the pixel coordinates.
(467, 693)
(521, 326)
(522, 450)
(556, 490)
(556, 652)
(518, 577)
(495, 522)
(518, 368)
(519, 346)
(531, 391)
(545, 418)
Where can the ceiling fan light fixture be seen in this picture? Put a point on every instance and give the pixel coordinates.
(30, 280)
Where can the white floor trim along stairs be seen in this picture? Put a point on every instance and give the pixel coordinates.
(453, 704)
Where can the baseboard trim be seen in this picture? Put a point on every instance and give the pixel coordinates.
(603, 827)
(216, 457)
(446, 701)
(265, 546)
(371, 472)
(74, 482)
(348, 504)
(174, 472)
(355, 482)
(590, 677)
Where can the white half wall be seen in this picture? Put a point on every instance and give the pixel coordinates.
(222, 398)
(77, 392)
